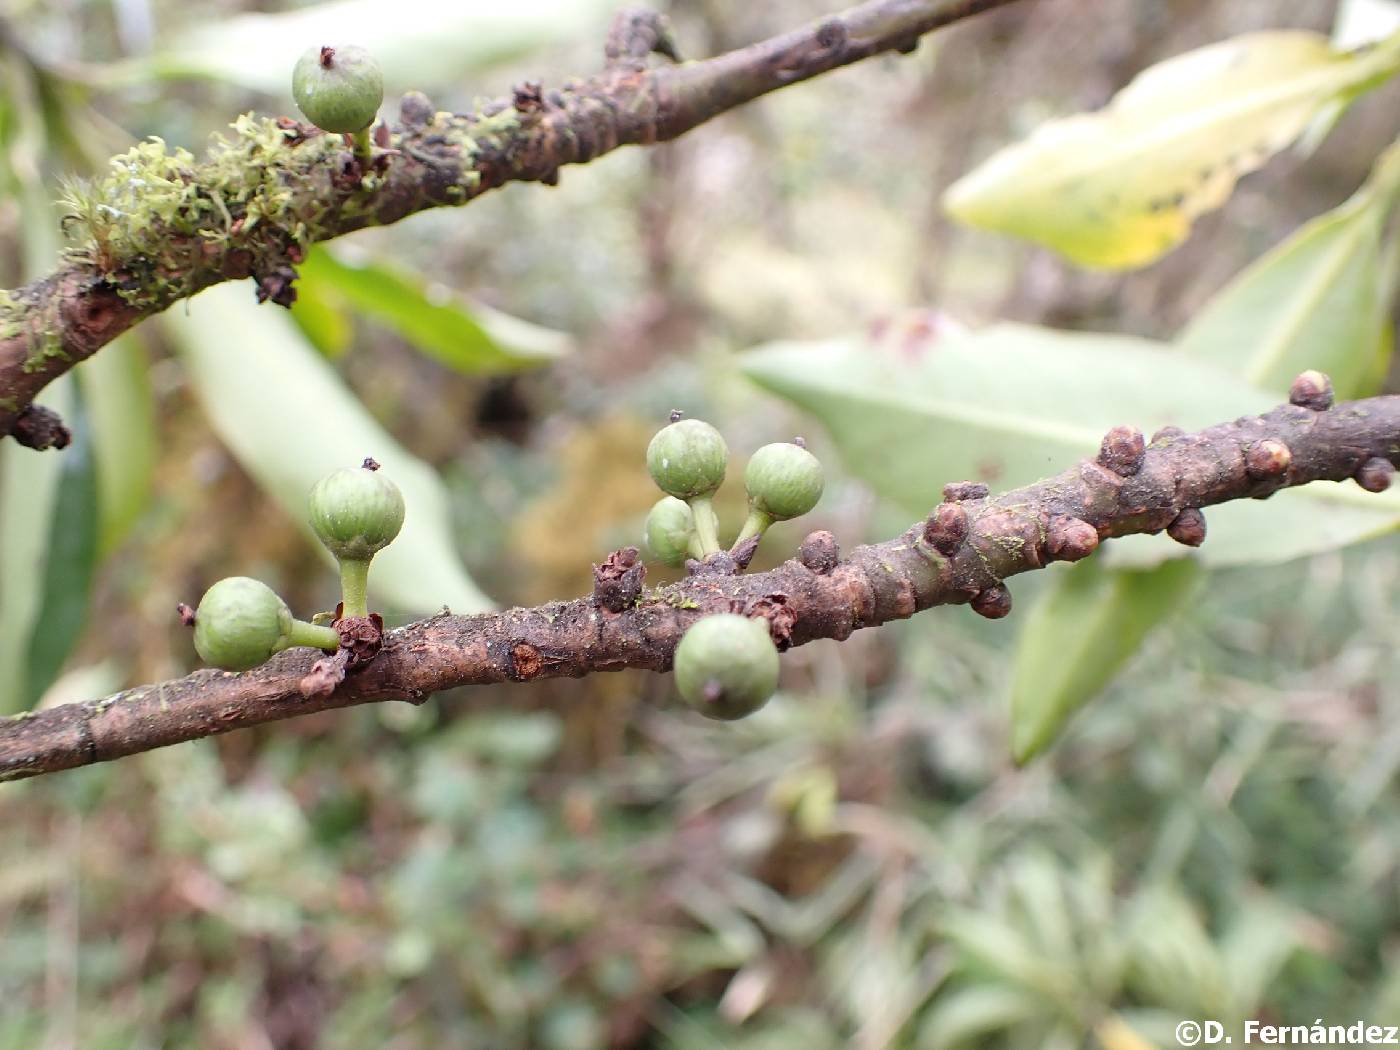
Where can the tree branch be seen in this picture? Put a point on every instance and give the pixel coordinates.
(960, 554)
(162, 227)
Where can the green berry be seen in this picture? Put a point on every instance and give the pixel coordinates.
(670, 526)
(726, 666)
(784, 480)
(687, 459)
(339, 89)
(240, 622)
(356, 512)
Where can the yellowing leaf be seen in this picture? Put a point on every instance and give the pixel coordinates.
(1119, 188)
(1318, 300)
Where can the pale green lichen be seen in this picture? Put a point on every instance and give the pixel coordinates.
(42, 334)
(160, 225)
(11, 316)
(44, 347)
(159, 220)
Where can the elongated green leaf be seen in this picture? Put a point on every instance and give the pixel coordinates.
(1121, 187)
(70, 563)
(324, 317)
(467, 337)
(1317, 300)
(419, 43)
(29, 486)
(1011, 404)
(289, 420)
(120, 408)
(1080, 635)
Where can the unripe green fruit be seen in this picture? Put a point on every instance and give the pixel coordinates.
(784, 480)
(339, 89)
(726, 666)
(356, 512)
(240, 623)
(687, 459)
(670, 526)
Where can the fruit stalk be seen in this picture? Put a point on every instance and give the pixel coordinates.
(313, 635)
(354, 587)
(706, 524)
(756, 524)
(363, 147)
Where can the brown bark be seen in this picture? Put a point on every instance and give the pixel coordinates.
(961, 553)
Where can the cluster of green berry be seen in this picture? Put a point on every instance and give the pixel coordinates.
(340, 90)
(726, 665)
(241, 622)
(687, 460)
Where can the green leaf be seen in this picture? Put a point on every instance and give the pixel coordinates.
(29, 486)
(469, 338)
(116, 389)
(71, 562)
(968, 1015)
(1294, 523)
(1317, 300)
(1263, 935)
(421, 44)
(289, 420)
(1007, 405)
(324, 317)
(1121, 187)
(1080, 635)
(1011, 404)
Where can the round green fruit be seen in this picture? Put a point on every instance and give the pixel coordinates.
(240, 623)
(784, 480)
(687, 459)
(726, 666)
(670, 526)
(356, 512)
(340, 89)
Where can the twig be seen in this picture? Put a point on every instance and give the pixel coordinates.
(261, 199)
(961, 553)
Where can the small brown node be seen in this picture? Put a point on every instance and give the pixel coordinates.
(819, 552)
(1188, 527)
(1122, 451)
(1070, 539)
(1375, 474)
(1267, 459)
(946, 528)
(1312, 389)
(993, 603)
(961, 491)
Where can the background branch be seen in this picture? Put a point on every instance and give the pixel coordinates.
(960, 554)
(254, 207)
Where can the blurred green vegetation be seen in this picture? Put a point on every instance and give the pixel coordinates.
(583, 864)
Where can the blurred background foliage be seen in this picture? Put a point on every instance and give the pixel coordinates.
(863, 864)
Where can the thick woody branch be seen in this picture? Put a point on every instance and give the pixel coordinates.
(962, 553)
(163, 227)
